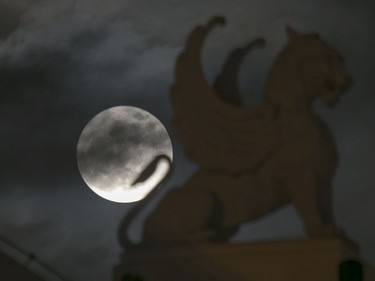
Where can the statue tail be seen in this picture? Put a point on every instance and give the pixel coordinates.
(151, 170)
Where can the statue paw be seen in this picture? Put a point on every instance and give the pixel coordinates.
(201, 236)
(334, 231)
(327, 231)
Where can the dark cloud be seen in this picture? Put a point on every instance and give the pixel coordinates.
(32, 75)
(10, 18)
(50, 84)
(88, 39)
(35, 126)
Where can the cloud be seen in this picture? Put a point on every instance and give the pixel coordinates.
(11, 15)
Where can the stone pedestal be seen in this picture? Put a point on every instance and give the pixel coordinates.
(301, 260)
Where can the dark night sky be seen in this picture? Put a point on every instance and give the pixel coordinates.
(62, 62)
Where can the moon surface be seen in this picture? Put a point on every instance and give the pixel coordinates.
(123, 153)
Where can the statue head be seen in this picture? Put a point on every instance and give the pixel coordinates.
(307, 68)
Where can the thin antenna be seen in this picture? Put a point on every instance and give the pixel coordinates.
(31, 258)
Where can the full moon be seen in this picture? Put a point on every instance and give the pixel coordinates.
(124, 153)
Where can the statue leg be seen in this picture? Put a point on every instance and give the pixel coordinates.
(313, 202)
(182, 216)
(326, 205)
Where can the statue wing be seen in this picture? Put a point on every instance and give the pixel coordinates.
(215, 134)
(226, 84)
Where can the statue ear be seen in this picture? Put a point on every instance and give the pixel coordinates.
(292, 34)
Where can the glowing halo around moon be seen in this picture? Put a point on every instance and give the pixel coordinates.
(123, 153)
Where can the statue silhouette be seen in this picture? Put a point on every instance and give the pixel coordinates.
(251, 160)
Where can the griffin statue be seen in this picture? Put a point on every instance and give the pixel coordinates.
(251, 160)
